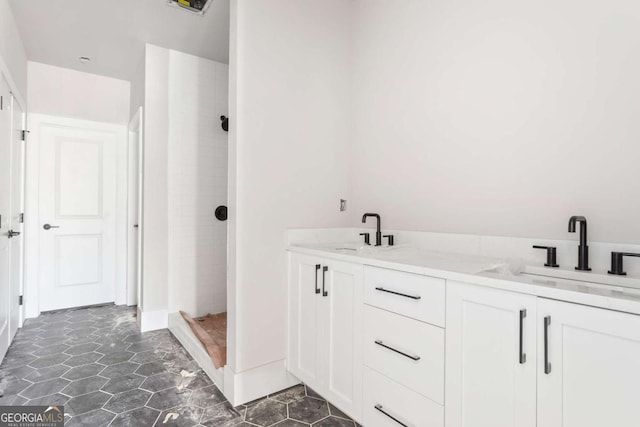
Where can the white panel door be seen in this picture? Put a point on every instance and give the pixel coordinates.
(592, 375)
(5, 213)
(340, 335)
(77, 204)
(17, 208)
(490, 375)
(304, 276)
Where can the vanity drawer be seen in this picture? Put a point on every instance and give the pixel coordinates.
(412, 295)
(405, 350)
(389, 404)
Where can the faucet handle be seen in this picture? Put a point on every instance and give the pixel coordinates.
(367, 238)
(390, 239)
(551, 255)
(616, 262)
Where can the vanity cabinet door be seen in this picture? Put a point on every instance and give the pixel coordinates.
(490, 358)
(341, 337)
(304, 280)
(325, 329)
(590, 376)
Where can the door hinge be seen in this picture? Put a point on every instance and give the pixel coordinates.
(22, 217)
(24, 135)
(20, 300)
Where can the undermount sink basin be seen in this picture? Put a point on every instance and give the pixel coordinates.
(410, 255)
(597, 278)
(346, 250)
(361, 249)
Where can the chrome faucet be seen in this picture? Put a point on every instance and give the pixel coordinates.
(583, 249)
(378, 232)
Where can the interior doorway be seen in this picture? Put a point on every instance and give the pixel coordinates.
(5, 207)
(134, 212)
(11, 218)
(16, 245)
(77, 204)
(75, 214)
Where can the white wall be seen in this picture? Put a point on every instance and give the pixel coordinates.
(498, 117)
(13, 58)
(68, 93)
(198, 96)
(155, 219)
(290, 103)
(138, 86)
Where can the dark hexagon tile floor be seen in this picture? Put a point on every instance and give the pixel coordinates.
(96, 363)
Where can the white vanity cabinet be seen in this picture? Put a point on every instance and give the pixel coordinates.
(325, 328)
(394, 348)
(592, 376)
(404, 341)
(582, 364)
(490, 358)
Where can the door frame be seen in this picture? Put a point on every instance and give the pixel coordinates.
(4, 70)
(15, 100)
(32, 221)
(134, 255)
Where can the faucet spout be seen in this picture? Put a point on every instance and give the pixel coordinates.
(583, 248)
(378, 232)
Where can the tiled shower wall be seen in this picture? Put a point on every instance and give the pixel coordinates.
(198, 96)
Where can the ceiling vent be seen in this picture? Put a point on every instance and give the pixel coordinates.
(198, 7)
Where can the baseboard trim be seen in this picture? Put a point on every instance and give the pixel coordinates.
(152, 320)
(243, 387)
(182, 331)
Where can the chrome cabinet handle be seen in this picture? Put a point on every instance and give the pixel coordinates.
(381, 289)
(381, 344)
(49, 226)
(523, 356)
(381, 409)
(547, 365)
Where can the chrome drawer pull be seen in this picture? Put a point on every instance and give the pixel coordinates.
(379, 408)
(381, 344)
(381, 289)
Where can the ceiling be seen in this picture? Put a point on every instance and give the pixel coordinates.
(113, 32)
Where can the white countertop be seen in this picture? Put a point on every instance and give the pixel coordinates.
(616, 294)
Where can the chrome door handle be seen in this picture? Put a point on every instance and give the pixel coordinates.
(49, 226)
(11, 234)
